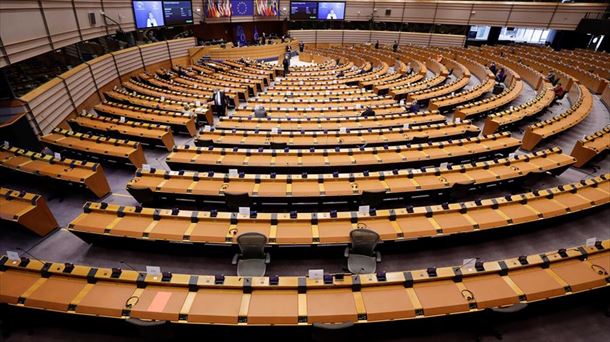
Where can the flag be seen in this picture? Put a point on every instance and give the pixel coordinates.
(255, 34)
(242, 8)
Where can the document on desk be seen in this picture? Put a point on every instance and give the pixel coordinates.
(159, 301)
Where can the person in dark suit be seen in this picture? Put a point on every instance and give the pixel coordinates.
(286, 64)
(368, 112)
(414, 108)
(395, 46)
(377, 45)
(301, 46)
(220, 102)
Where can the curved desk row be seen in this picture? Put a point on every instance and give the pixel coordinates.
(285, 300)
(152, 185)
(61, 170)
(557, 124)
(102, 220)
(370, 137)
(514, 115)
(337, 159)
(330, 124)
(591, 146)
(153, 134)
(179, 122)
(95, 146)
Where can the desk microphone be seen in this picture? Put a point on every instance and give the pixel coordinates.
(128, 265)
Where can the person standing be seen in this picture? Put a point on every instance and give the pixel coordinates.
(395, 46)
(220, 102)
(377, 45)
(286, 64)
(301, 46)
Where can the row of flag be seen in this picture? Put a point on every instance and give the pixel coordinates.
(228, 8)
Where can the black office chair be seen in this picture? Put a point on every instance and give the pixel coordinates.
(204, 142)
(459, 190)
(361, 256)
(531, 179)
(278, 145)
(235, 200)
(252, 261)
(372, 198)
(419, 139)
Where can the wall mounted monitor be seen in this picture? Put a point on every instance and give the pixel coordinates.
(266, 8)
(303, 10)
(331, 10)
(148, 14)
(177, 13)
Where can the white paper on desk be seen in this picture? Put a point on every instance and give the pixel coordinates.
(5, 144)
(84, 112)
(364, 209)
(458, 120)
(12, 255)
(197, 103)
(343, 130)
(244, 211)
(405, 126)
(153, 270)
(317, 274)
(233, 173)
(57, 155)
(275, 130)
(207, 128)
(469, 263)
(146, 167)
(590, 242)
(122, 119)
(162, 98)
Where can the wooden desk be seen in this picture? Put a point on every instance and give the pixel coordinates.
(27, 210)
(232, 300)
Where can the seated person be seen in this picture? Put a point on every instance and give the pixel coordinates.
(414, 108)
(395, 46)
(493, 67)
(340, 74)
(501, 75)
(368, 112)
(260, 112)
(220, 102)
(552, 78)
(559, 92)
(409, 69)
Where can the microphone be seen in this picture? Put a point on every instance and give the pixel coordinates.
(128, 265)
(28, 253)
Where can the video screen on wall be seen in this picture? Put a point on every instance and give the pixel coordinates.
(331, 10)
(303, 10)
(177, 13)
(148, 14)
(266, 8)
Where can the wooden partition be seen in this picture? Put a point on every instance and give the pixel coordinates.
(82, 87)
(343, 37)
(257, 51)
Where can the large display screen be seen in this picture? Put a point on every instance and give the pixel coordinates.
(148, 14)
(177, 13)
(266, 8)
(331, 10)
(303, 10)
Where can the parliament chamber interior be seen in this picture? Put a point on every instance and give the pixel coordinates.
(398, 170)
